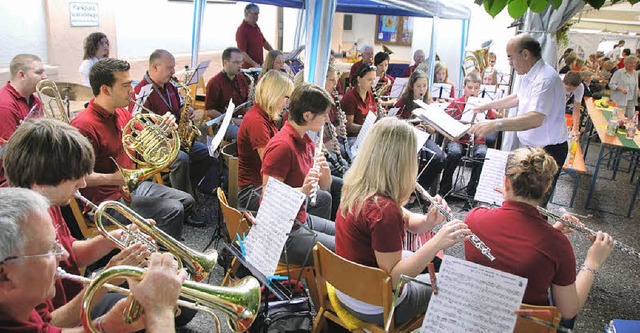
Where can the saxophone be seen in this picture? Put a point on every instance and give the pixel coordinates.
(252, 89)
(187, 130)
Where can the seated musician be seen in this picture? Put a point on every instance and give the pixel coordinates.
(490, 78)
(358, 101)
(431, 156)
(289, 157)
(371, 222)
(229, 84)
(335, 144)
(575, 94)
(260, 124)
(418, 58)
(165, 98)
(275, 61)
(441, 75)
(102, 123)
(385, 81)
(455, 150)
(525, 244)
(367, 59)
(18, 100)
(29, 256)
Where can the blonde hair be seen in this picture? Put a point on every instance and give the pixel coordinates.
(438, 67)
(386, 164)
(270, 89)
(530, 172)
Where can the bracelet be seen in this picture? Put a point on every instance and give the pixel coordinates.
(589, 269)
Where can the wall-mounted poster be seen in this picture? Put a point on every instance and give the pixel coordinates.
(397, 30)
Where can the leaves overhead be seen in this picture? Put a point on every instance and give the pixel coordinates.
(517, 8)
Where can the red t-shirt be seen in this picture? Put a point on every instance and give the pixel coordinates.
(378, 227)
(14, 108)
(523, 244)
(35, 324)
(220, 89)
(353, 105)
(250, 39)
(65, 289)
(405, 109)
(162, 99)
(255, 131)
(409, 70)
(290, 157)
(104, 131)
(455, 110)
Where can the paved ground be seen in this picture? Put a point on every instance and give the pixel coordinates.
(615, 293)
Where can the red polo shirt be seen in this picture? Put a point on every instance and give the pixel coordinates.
(524, 244)
(353, 105)
(65, 288)
(290, 157)
(455, 110)
(14, 108)
(409, 70)
(405, 110)
(34, 324)
(220, 89)
(378, 227)
(162, 99)
(250, 39)
(104, 130)
(255, 132)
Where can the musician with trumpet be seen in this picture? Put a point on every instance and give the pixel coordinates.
(30, 256)
(525, 244)
(193, 163)
(18, 100)
(103, 123)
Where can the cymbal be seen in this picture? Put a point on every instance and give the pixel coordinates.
(74, 91)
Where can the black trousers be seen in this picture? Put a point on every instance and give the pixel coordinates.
(559, 153)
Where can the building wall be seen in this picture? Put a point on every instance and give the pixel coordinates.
(21, 35)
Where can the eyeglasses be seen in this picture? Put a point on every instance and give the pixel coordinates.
(56, 250)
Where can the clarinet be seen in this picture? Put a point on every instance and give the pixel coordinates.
(340, 112)
(475, 241)
(334, 159)
(381, 111)
(314, 190)
(585, 230)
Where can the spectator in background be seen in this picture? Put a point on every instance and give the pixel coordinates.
(625, 53)
(250, 39)
(569, 59)
(96, 47)
(418, 58)
(624, 86)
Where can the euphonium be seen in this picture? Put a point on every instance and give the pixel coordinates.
(187, 131)
(52, 104)
(240, 302)
(197, 264)
(154, 141)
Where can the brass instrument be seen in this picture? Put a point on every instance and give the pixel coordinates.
(52, 103)
(313, 196)
(478, 60)
(240, 302)
(585, 230)
(474, 240)
(187, 131)
(251, 96)
(381, 88)
(197, 264)
(156, 143)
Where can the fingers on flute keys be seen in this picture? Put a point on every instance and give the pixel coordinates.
(453, 232)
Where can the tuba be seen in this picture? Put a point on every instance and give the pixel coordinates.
(240, 302)
(187, 131)
(478, 60)
(154, 141)
(52, 103)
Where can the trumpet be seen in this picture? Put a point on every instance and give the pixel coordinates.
(240, 302)
(588, 231)
(314, 191)
(475, 241)
(197, 264)
(52, 103)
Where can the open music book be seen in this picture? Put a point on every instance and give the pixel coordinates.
(141, 98)
(492, 177)
(364, 130)
(467, 114)
(440, 90)
(440, 120)
(398, 87)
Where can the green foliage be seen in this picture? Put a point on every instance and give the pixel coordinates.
(517, 8)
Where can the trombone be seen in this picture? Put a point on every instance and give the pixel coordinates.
(52, 103)
(240, 302)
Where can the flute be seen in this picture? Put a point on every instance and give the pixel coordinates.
(475, 241)
(314, 190)
(585, 230)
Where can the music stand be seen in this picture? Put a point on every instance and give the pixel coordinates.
(197, 73)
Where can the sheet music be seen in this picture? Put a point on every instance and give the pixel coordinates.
(421, 137)
(278, 210)
(141, 98)
(398, 87)
(199, 71)
(440, 90)
(473, 298)
(443, 122)
(217, 139)
(491, 92)
(364, 130)
(393, 112)
(467, 114)
(492, 177)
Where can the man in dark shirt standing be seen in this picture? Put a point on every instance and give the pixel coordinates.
(250, 39)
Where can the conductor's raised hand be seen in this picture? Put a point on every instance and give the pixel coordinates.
(483, 128)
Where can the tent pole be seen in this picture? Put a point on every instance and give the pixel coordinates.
(464, 41)
(198, 16)
(432, 51)
(319, 20)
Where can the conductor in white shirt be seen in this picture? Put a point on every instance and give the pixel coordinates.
(540, 102)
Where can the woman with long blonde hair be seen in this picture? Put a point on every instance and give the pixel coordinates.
(259, 125)
(371, 222)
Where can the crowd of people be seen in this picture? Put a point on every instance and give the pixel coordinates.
(362, 203)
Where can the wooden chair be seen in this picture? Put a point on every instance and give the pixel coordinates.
(372, 286)
(237, 224)
(230, 153)
(87, 227)
(524, 325)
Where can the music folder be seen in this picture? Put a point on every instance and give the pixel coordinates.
(440, 120)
